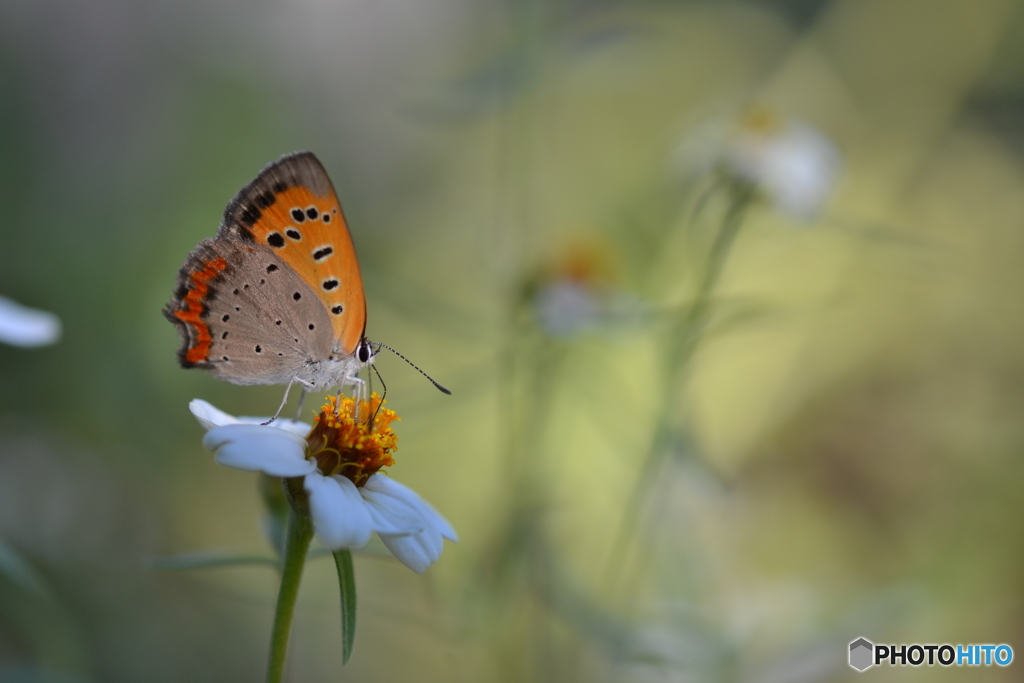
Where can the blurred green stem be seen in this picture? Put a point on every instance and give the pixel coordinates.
(300, 533)
(686, 333)
(690, 326)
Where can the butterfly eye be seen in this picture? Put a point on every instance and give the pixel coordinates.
(364, 353)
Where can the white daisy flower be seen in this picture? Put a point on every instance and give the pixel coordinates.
(339, 459)
(793, 163)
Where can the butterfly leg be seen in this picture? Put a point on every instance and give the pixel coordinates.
(302, 398)
(358, 391)
(283, 401)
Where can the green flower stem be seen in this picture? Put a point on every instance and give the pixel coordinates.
(300, 533)
(687, 334)
(690, 326)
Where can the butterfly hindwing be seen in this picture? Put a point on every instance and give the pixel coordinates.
(244, 316)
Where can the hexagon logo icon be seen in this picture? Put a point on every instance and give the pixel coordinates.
(861, 654)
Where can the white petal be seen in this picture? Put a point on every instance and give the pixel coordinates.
(293, 426)
(801, 169)
(430, 516)
(420, 550)
(340, 517)
(417, 552)
(210, 416)
(23, 326)
(389, 514)
(259, 449)
(566, 307)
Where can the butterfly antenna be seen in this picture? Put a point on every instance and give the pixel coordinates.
(385, 346)
(384, 386)
(382, 396)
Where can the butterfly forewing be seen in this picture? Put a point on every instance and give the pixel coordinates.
(291, 208)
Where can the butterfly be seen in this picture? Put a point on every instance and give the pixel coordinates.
(276, 297)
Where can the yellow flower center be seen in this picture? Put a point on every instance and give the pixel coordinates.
(354, 444)
(760, 120)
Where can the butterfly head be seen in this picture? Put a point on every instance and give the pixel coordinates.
(365, 352)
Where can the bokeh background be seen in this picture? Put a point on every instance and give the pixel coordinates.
(667, 461)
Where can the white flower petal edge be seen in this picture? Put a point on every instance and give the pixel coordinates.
(210, 416)
(420, 550)
(293, 426)
(340, 518)
(24, 326)
(256, 448)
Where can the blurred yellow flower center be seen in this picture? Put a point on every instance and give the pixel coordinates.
(760, 120)
(350, 443)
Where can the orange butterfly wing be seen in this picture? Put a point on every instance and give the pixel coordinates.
(292, 209)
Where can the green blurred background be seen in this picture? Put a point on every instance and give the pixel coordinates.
(846, 437)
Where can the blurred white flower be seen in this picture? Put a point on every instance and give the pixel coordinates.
(791, 162)
(23, 326)
(567, 307)
(576, 293)
(338, 459)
